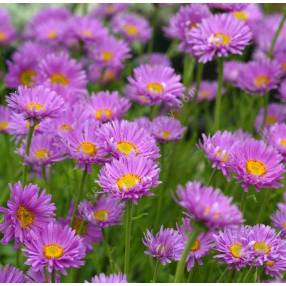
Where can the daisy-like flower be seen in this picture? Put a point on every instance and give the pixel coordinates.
(28, 211)
(228, 7)
(10, 274)
(218, 149)
(259, 76)
(109, 9)
(58, 248)
(166, 128)
(280, 58)
(105, 212)
(7, 31)
(167, 245)
(129, 177)
(250, 14)
(5, 119)
(123, 138)
(218, 36)
(103, 75)
(207, 90)
(156, 84)
(282, 91)
(36, 103)
(276, 267)
(279, 219)
(256, 164)
(112, 278)
(110, 52)
(132, 27)
(155, 59)
(144, 122)
(231, 71)
(105, 106)
(232, 246)
(208, 205)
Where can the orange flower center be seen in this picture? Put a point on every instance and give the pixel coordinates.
(4, 125)
(166, 134)
(131, 30)
(34, 106)
(52, 35)
(65, 127)
(25, 217)
(255, 167)
(270, 119)
(261, 81)
(42, 153)
(3, 36)
(196, 246)
(88, 148)
(103, 113)
(106, 56)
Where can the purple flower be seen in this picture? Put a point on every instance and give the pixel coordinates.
(129, 177)
(144, 122)
(132, 27)
(28, 211)
(255, 163)
(218, 36)
(7, 31)
(167, 245)
(112, 278)
(208, 205)
(166, 128)
(10, 274)
(279, 219)
(207, 90)
(250, 14)
(228, 7)
(36, 103)
(282, 91)
(109, 9)
(155, 59)
(103, 75)
(56, 247)
(5, 119)
(123, 138)
(231, 71)
(156, 84)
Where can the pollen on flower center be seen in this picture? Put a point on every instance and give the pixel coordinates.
(34, 106)
(222, 155)
(101, 215)
(270, 263)
(59, 78)
(204, 93)
(3, 36)
(126, 147)
(282, 142)
(106, 56)
(220, 39)
(42, 153)
(235, 249)
(127, 182)
(26, 77)
(52, 35)
(25, 217)
(241, 15)
(166, 134)
(270, 119)
(196, 246)
(155, 87)
(255, 167)
(130, 29)
(88, 148)
(261, 81)
(103, 113)
(65, 127)
(4, 125)
(283, 66)
(79, 226)
(261, 247)
(53, 250)
(86, 33)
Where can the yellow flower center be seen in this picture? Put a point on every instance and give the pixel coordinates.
(270, 119)
(52, 35)
(34, 106)
(261, 247)
(100, 113)
(196, 246)
(235, 249)
(283, 66)
(282, 142)
(127, 182)
(4, 125)
(106, 56)
(53, 250)
(88, 148)
(25, 217)
(204, 93)
(155, 87)
(261, 81)
(241, 15)
(130, 29)
(126, 148)
(86, 33)
(284, 225)
(65, 127)
(222, 155)
(101, 215)
(255, 167)
(220, 39)
(270, 263)
(3, 36)
(42, 153)
(166, 134)
(26, 77)
(59, 78)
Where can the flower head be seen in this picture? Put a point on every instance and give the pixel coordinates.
(112, 278)
(7, 31)
(207, 90)
(10, 274)
(155, 59)
(5, 119)
(109, 9)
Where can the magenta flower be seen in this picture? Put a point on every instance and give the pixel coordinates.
(144, 122)
(250, 14)
(167, 245)
(231, 71)
(207, 91)
(28, 211)
(7, 31)
(109, 9)
(5, 119)
(155, 59)
(228, 6)
(112, 278)
(218, 36)
(57, 248)
(129, 178)
(10, 274)
(279, 219)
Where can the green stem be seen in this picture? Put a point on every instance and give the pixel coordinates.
(46, 275)
(155, 272)
(211, 176)
(181, 264)
(44, 174)
(219, 94)
(246, 275)
(276, 35)
(265, 106)
(128, 225)
(53, 278)
(222, 275)
(18, 253)
(189, 64)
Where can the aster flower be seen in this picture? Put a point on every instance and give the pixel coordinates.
(7, 31)
(10, 274)
(105, 106)
(123, 138)
(255, 163)
(231, 71)
(282, 91)
(250, 14)
(207, 90)
(280, 58)
(132, 27)
(109, 9)
(166, 128)
(259, 76)
(57, 248)
(155, 59)
(103, 75)
(5, 120)
(157, 84)
(144, 122)
(105, 212)
(208, 205)
(129, 177)
(112, 278)
(28, 211)
(279, 219)
(36, 103)
(41, 277)
(228, 6)
(218, 36)
(167, 245)
(275, 267)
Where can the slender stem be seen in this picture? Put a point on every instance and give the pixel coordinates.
(128, 224)
(44, 173)
(155, 272)
(79, 195)
(181, 264)
(247, 274)
(222, 275)
(276, 35)
(189, 64)
(211, 176)
(265, 106)
(219, 94)
(154, 25)
(46, 275)
(18, 253)
(53, 278)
